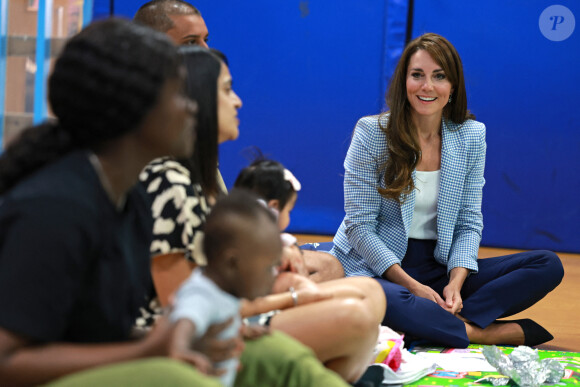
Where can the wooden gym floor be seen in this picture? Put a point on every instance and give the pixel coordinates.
(556, 312)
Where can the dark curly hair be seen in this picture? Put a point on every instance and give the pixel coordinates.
(103, 84)
(266, 178)
(220, 233)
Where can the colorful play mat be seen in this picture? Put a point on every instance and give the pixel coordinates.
(466, 367)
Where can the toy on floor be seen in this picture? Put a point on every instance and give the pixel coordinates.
(388, 348)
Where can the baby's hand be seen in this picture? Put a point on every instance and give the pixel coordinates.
(251, 332)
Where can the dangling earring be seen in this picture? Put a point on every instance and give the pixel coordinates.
(450, 99)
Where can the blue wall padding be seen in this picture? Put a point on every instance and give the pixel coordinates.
(524, 87)
(101, 9)
(307, 70)
(396, 24)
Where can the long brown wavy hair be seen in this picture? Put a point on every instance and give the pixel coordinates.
(402, 141)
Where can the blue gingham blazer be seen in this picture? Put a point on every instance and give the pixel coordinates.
(374, 233)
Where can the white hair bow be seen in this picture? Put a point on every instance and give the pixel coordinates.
(288, 176)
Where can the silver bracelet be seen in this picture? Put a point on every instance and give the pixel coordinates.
(294, 295)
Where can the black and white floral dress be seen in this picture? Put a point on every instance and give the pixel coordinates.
(179, 209)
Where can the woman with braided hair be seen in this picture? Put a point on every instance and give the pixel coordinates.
(75, 234)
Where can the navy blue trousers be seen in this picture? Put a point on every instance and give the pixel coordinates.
(503, 286)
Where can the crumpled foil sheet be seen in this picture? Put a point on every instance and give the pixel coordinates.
(495, 380)
(523, 366)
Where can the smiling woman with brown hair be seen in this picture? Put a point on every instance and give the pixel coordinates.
(413, 189)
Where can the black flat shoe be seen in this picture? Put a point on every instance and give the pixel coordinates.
(534, 333)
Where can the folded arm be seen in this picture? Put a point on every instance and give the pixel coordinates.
(306, 292)
(363, 165)
(469, 224)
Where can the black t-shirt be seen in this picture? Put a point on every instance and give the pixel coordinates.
(73, 268)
